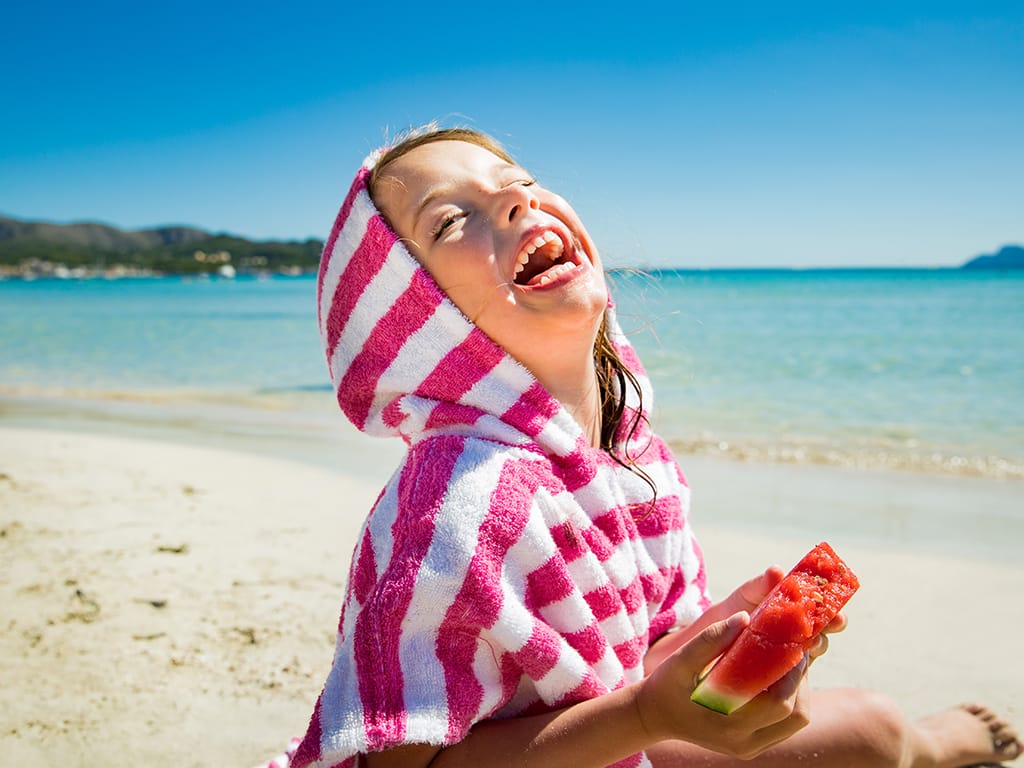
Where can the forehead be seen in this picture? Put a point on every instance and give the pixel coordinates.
(442, 161)
(433, 169)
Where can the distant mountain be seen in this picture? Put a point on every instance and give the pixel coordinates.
(165, 250)
(101, 236)
(1008, 257)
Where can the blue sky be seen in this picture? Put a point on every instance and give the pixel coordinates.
(740, 134)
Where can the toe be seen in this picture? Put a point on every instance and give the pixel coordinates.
(1011, 750)
(981, 712)
(1006, 743)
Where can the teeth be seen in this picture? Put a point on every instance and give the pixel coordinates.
(554, 250)
(554, 272)
(539, 242)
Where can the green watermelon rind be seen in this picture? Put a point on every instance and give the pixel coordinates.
(706, 695)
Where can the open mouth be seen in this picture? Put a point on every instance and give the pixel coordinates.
(542, 260)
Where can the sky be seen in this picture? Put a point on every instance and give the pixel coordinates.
(685, 134)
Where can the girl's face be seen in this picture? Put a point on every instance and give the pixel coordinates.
(511, 255)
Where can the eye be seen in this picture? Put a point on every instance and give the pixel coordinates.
(515, 180)
(446, 222)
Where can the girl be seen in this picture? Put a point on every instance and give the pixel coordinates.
(527, 588)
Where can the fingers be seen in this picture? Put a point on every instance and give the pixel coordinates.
(711, 643)
(779, 700)
(783, 709)
(819, 647)
(666, 710)
(796, 719)
(838, 624)
(787, 687)
(748, 595)
(665, 694)
(754, 590)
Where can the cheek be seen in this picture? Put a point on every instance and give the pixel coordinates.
(448, 259)
(560, 207)
(470, 278)
(467, 252)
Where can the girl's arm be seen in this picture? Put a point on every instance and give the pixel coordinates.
(600, 731)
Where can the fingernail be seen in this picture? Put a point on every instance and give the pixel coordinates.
(737, 620)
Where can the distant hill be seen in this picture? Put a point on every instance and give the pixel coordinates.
(92, 235)
(164, 250)
(1008, 257)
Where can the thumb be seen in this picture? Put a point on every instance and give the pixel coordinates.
(712, 642)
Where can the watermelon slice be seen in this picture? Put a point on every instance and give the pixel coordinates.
(781, 630)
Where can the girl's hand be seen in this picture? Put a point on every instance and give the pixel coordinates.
(746, 598)
(667, 712)
(838, 624)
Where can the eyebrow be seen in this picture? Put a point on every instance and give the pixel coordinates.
(435, 192)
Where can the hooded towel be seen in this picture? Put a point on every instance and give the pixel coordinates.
(508, 568)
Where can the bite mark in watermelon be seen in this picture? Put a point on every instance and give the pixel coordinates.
(781, 630)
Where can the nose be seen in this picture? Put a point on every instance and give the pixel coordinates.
(515, 200)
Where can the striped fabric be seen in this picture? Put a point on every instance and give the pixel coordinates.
(507, 568)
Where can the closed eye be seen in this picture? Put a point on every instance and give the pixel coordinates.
(446, 222)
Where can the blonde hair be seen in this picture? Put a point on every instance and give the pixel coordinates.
(428, 134)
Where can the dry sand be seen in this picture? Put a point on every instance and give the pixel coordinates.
(174, 605)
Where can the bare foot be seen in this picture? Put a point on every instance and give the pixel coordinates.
(970, 735)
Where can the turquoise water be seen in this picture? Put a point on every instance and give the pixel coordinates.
(160, 334)
(917, 369)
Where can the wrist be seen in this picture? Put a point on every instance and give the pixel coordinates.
(648, 718)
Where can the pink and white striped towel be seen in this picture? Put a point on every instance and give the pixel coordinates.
(507, 568)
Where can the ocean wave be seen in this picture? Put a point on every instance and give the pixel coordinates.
(879, 456)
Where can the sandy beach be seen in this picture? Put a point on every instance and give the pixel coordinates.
(168, 603)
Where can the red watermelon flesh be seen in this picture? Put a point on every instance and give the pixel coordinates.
(781, 630)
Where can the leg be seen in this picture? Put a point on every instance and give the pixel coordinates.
(862, 729)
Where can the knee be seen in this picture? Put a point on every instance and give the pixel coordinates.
(883, 730)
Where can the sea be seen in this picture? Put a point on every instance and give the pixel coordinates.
(918, 370)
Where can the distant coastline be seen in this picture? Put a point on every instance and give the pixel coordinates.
(34, 249)
(86, 250)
